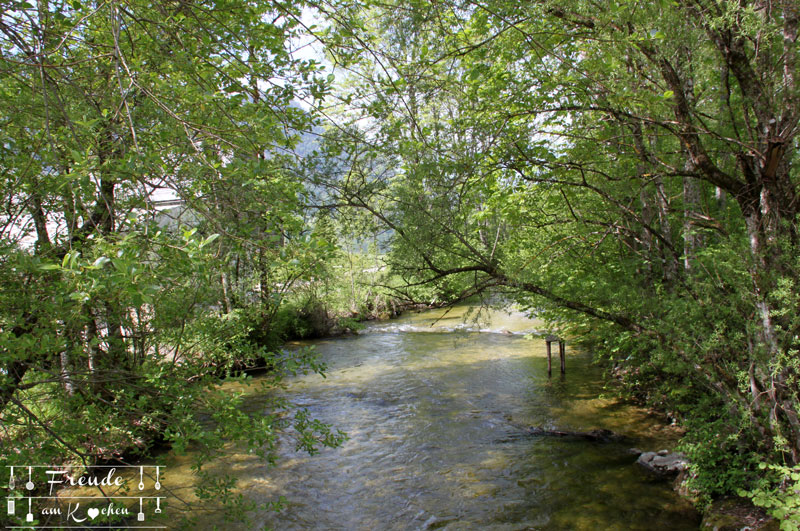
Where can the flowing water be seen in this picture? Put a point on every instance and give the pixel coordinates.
(435, 412)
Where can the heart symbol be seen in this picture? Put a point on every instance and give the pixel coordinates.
(93, 512)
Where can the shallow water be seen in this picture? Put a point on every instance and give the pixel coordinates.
(435, 418)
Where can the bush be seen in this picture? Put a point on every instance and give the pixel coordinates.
(779, 494)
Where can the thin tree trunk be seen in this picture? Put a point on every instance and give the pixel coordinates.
(226, 301)
(692, 241)
(662, 205)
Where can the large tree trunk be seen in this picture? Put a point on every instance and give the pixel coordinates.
(769, 216)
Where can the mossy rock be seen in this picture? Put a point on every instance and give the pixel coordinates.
(734, 514)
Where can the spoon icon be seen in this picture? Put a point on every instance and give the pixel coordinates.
(141, 478)
(29, 484)
(158, 483)
(11, 482)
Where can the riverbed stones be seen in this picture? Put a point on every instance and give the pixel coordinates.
(663, 462)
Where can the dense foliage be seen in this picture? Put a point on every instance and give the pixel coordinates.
(116, 314)
(626, 169)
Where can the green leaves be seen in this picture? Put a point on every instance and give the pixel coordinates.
(100, 262)
(110, 301)
(208, 240)
(590, 164)
(779, 493)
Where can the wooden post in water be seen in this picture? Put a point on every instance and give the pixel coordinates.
(548, 340)
(562, 351)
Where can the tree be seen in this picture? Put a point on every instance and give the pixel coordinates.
(109, 328)
(627, 163)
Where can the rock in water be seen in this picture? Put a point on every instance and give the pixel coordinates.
(603, 435)
(663, 462)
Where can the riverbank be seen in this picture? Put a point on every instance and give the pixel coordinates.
(576, 409)
(720, 513)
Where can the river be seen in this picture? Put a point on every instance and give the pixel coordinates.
(433, 404)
